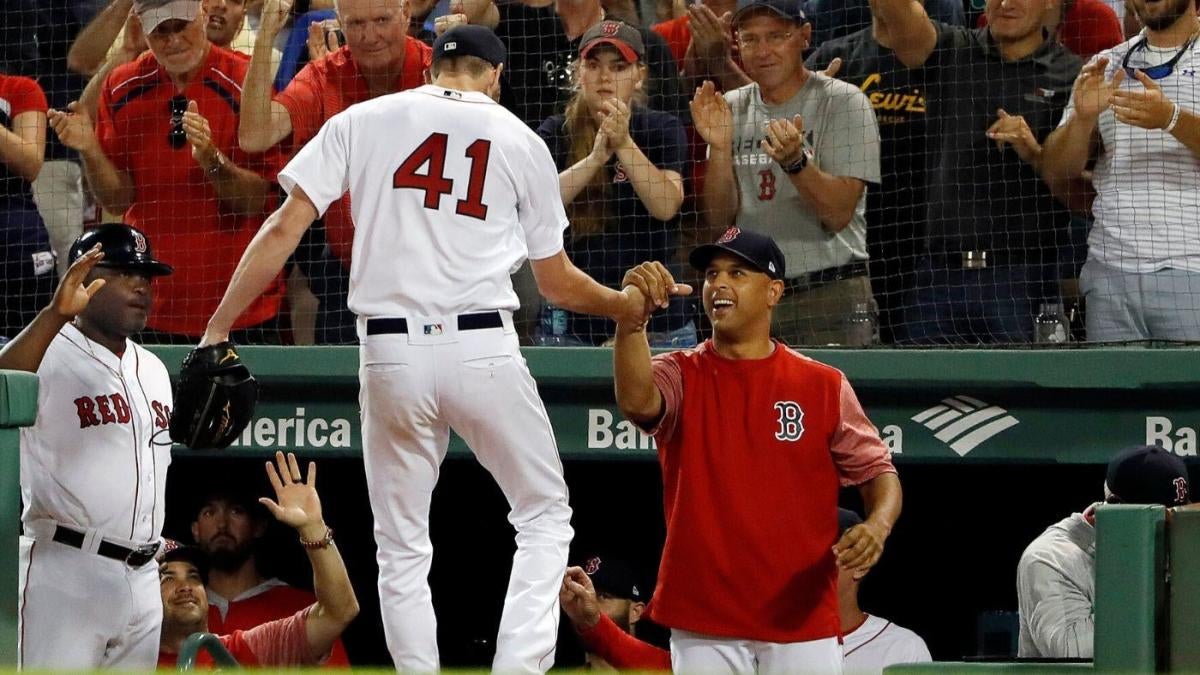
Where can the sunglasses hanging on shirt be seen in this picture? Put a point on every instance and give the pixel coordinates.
(1154, 72)
(177, 137)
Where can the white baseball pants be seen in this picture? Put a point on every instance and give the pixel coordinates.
(416, 387)
(82, 611)
(697, 654)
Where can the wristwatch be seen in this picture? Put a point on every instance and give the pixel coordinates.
(800, 164)
(217, 165)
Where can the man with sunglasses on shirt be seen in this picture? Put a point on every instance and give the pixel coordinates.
(1133, 111)
(163, 152)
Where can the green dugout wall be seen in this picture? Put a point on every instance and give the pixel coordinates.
(1065, 406)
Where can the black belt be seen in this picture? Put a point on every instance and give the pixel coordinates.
(811, 280)
(134, 557)
(476, 321)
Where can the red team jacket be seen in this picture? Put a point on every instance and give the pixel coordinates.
(275, 600)
(753, 453)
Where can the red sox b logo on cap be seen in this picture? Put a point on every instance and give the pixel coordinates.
(139, 242)
(592, 566)
(1181, 490)
(610, 28)
(730, 234)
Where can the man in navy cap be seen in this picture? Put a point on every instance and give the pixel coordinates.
(790, 155)
(1056, 577)
(748, 579)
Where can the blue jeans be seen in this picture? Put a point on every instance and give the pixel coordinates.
(973, 306)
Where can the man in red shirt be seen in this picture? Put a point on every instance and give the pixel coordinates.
(379, 58)
(754, 441)
(302, 639)
(1086, 27)
(227, 528)
(164, 153)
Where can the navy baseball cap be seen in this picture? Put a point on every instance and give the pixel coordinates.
(846, 520)
(1147, 474)
(787, 9)
(614, 577)
(470, 40)
(757, 249)
(625, 38)
(124, 247)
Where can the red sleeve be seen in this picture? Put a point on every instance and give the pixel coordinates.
(622, 650)
(114, 146)
(303, 98)
(283, 642)
(858, 452)
(669, 380)
(23, 94)
(678, 34)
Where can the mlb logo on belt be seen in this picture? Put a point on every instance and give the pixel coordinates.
(433, 329)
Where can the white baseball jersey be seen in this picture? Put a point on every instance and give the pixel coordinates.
(879, 643)
(96, 460)
(442, 217)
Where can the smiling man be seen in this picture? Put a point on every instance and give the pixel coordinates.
(1134, 111)
(790, 155)
(774, 435)
(993, 226)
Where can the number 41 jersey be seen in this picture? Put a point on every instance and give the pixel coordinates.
(449, 193)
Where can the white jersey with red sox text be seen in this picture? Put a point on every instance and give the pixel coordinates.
(97, 456)
(427, 244)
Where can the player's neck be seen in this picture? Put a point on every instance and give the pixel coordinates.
(112, 342)
(849, 613)
(757, 345)
(229, 584)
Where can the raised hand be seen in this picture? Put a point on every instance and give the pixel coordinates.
(72, 296)
(712, 117)
(711, 35)
(74, 127)
(578, 598)
(296, 502)
(784, 141)
(1149, 108)
(199, 134)
(1092, 92)
(1013, 131)
(274, 16)
(615, 124)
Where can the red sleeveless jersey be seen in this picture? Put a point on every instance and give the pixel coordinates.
(753, 453)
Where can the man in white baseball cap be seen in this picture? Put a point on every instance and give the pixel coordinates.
(154, 12)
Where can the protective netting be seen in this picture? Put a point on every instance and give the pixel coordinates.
(913, 189)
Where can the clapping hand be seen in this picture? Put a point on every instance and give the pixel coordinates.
(72, 296)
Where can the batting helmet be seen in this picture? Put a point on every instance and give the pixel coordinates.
(124, 247)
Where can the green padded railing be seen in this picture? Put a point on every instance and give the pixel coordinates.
(1183, 545)
(18, 408)
(208, 642)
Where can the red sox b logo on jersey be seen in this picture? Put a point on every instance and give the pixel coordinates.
(766, 185)
(791, 421)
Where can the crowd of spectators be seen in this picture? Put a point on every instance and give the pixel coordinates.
(894, 152)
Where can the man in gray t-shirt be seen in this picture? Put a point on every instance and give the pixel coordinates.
(790, 155)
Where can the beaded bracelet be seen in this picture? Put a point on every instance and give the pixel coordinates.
(323, 542)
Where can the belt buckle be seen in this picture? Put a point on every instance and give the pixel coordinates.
(141, 555)
(974, 260)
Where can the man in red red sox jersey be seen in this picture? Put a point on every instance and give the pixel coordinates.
(754, 441)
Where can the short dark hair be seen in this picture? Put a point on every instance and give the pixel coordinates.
(471, 65)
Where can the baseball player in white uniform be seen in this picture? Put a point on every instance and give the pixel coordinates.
(450, 194)
(94, 463)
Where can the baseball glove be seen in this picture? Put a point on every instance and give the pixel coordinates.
(215, 398)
